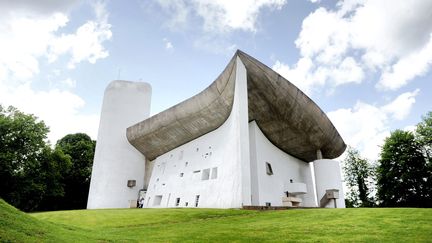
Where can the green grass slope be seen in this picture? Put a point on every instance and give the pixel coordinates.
(173, 225)
(16, 226)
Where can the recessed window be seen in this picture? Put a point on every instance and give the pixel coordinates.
(268, 204)
(214, 173)
(197, 200)
(177, 202)
(157, 200)
(186, 204)
(131, 183)
(205, 174)
(269, 169)
(181, 174)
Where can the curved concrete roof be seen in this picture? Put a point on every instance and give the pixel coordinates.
(288, 118)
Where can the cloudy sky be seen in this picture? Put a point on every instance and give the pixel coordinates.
(367, 64)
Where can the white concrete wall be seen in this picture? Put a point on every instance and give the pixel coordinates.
(226, 148)
(328, 176)
(116, 161)
(270, 188)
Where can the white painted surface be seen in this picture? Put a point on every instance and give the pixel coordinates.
(116, 161)
(178, 173)
(285, 167)
(328, 176)
(296, 188)
(242, 131)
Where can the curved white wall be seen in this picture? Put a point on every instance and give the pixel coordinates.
(116, 161)
(179, 172)
(271, 188)
(328, 176)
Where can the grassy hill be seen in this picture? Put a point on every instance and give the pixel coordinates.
(324, 225)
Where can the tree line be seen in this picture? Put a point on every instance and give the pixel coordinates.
(401, 177)
(36, 176)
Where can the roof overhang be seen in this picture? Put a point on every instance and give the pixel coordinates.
(287, 117)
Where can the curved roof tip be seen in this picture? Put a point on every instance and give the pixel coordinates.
(286, 116)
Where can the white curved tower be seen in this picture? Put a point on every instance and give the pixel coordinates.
(117, 165)
(328, 177)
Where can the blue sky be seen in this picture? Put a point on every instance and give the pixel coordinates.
(365, 63)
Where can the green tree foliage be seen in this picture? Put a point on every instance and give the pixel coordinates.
(424, 134)
(80, 148)
(29, 169)
(403, 176)
(424, 138)
(358, 174)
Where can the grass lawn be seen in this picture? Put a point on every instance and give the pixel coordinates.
(172, 225)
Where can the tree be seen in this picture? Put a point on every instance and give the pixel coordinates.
(29, 170)
(424, 137)
(402, 172)
(22, 140)
(80, 148)
(424, 134)
(54, 165)
(358, 177)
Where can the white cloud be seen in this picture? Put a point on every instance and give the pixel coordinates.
(218, 16)
(407, 68)
(307, 76)
(28, 33)
(86, 43)
(392, 38)
(58, 109)
(26, 36)
(400, 107)
(227, 15)
(365, 126)
(168, 45)
(178, 11)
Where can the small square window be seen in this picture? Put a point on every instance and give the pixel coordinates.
(131, 183)
(214, 173)
(268, 204)
(205, 174)
(269, 169)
